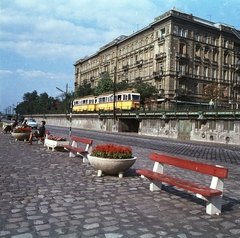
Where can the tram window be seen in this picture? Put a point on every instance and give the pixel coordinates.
(119, 97)
(135, 97)
(129, 96)
(125, 97)
(76, 103)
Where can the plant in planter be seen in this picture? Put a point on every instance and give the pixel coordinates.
(21, 133)
(55, 142)
(111, 159)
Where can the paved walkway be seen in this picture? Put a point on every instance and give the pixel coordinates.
(48, 194)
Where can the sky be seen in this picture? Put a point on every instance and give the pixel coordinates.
(40, 40)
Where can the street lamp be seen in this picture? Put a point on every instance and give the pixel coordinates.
(66, 107)
(114, 93)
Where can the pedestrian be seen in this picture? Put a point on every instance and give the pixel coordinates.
(211, 103)
(39, 133)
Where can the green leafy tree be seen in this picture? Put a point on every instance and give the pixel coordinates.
(83, 90)
(146, 90)
(122, 86)
(105, 84)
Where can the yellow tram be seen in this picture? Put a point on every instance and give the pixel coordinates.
(125, 100)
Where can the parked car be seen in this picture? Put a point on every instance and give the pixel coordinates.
(32, 123)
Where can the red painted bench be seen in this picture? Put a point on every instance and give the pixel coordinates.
(41, 139)
(212, 194)
(74, 149)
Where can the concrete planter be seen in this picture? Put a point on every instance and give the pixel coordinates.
(21, 136)
(111, 166)
(55, 144)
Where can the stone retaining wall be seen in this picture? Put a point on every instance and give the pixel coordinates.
(212, 131)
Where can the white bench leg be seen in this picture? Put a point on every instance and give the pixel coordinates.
(155, 185)
(71, 154)
(214, 205)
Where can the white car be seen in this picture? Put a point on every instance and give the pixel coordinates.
(32, 123)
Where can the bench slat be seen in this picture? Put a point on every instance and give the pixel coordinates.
(82, 140)
(69, 147)
(196, 188)
(191, 165)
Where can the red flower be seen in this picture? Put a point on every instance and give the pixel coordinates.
(112, 151)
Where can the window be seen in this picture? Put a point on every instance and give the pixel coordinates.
(214, 41)
(162, 34)
(182, 49)
(196, 88)
(225, 58)
(214, 73)
(214, 56)
(196, 70)
(225, 43)
(196, 37)
(205, 72)
(181, 32)
(225, 75)
(205, 39)
(180, 69)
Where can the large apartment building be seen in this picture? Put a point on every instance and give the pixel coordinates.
(178, 53)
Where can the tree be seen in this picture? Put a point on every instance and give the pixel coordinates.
(83, 90)
(146, 90)
(213, 91)
(105, 84)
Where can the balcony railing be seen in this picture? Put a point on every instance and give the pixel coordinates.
(138, 79)
(139, 63)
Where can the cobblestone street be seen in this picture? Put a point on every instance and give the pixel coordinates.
(47, 194)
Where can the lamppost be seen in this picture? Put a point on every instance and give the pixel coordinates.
(114, 93)
(66, 108)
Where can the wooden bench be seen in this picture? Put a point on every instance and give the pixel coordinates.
(212, 194)
(75, 150)
(41, 139)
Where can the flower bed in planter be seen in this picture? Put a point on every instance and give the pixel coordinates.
(111, 159)
(21, 134)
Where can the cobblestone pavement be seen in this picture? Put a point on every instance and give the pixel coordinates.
(47, 194)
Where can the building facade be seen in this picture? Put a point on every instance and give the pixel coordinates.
(178, 53)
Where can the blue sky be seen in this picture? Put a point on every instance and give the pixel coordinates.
(41, 40)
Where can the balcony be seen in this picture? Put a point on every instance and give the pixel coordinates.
(138, 79)
(237, 67)
(182, 56)
(139, 63)
(92, 79)
(158, 74)
(197, 58)
(236, 85)
(160, 56)
(125, 67)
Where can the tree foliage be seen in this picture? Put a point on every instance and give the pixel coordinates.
(35, 104)
(105, 84)
(213, 91)
(83, 90)
(146, 90)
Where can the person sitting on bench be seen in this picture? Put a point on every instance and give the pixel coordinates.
(39, 133)
(10, 128)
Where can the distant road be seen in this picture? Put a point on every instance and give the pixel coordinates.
(214, 152)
